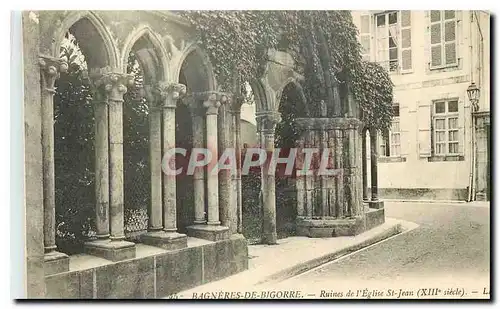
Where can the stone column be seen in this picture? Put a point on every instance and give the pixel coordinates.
(212, 230)
(269, 120)
(236, 112)
(155, 209)
(199, 173)
(110, 88)
(168, 238)
(374, 203)
(224, 122)
(364, 166)
(55, 262)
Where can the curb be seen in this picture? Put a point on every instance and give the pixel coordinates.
(425, 201)
(308, 265)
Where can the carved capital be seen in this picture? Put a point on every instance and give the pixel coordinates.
(169, 93)
(268, 121)
(212, 100)
(50, 69)
(110, 86)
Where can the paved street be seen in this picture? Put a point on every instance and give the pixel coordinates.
(451, 246)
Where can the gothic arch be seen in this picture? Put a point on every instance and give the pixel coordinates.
(197, 54)
(298, 88)
(144, 31)
(99, 25)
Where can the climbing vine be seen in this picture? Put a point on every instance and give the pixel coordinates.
(324, 45)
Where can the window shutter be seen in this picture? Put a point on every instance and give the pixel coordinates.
(461, 127)
(424, 118)
(450, 38)
(406, 56)
(436, 47)
(365, 36)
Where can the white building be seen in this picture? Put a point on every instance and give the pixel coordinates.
(433, 150)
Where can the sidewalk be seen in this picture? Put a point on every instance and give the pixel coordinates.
(295, 255)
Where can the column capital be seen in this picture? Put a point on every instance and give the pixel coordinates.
(109, 85)
(212, 100)
(268, 121)
(169, 93)
(164, 95)
(50, 69)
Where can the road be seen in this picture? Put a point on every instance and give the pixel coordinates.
(449, 249)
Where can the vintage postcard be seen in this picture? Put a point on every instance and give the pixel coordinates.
(257, 154)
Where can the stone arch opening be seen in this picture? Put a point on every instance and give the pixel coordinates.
(142, 120)
(84, 49)
(292, 105)
(195, 74)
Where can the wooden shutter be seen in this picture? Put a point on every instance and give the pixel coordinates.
(450, 37)
(365, 36)
(424, 119)
(436, 40)
(406, 54)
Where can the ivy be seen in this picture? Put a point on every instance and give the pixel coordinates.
(324, 44)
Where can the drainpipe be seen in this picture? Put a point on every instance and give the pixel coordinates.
(471, 193)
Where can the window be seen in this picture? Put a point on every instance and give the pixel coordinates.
(390, 142)
(445, 124)
(443, 34)
(365, 37)
(393, 40)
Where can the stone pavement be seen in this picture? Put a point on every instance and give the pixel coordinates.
(294, 255)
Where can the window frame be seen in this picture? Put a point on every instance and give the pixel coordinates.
(386, 140)
(446, 116)
(386, 63)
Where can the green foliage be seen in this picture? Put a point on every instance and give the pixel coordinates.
(323, 43)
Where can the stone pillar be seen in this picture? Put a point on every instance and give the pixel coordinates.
(224, 124)
(54, 261)
(166, 97)
(269, 120)
(155, 208)
(374, 203)
(199, 173)
(364, 164)
(236, 175)
(212, 230)
(109, 87)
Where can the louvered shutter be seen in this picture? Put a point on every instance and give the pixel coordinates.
(436, 45)
(450, 38)
(424, 129)
(406, 54)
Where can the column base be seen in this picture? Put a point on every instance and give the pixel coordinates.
(376, 204)
(55, 262)
(326, 227)
(113, 250)
(165, 240)
(208, 232)
(269, 238)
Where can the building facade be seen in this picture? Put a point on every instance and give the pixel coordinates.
(438, 145)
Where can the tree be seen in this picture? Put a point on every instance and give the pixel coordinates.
(324, 44)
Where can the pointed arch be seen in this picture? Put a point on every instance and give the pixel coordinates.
(194, 50)
(160, 50)
(99, 25)
(298, 87)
